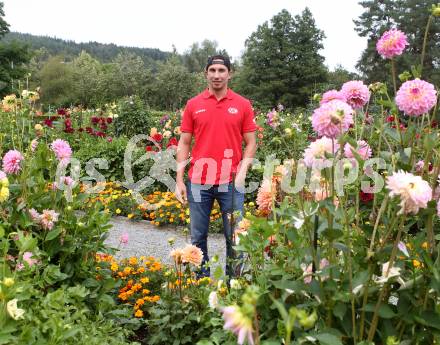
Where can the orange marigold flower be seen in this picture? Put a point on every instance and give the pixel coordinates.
(140, 301)
(145, 292)
(133, 261)
(417, 263)
(137, 287)
(145, 280)
(139, 313)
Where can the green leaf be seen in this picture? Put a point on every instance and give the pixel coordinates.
(284, 284)
(339, 310)
(218, 273)
(53, 234)
(392, 133)
(2, 231)
(281, 309)
(386, 103)
(385, 310)
(204, 342)
(429, 319)
(332, 234)
(429, 141)
(328, 339)
(26, 242)
(416, 71)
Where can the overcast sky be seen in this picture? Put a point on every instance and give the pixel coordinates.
(164, 23)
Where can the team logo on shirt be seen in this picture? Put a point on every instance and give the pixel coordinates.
(200, 111)
(232, 110)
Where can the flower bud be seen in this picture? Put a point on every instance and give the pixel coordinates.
(317, 97)
(307, 321)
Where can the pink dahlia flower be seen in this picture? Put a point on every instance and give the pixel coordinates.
(332, 118)
(314, 155)
(192, 254)
(27, 256)
(34, 144)
(35, 215)
(391, 44)
(272, 118)
(238, 323)
(414, 192)
(2, 175)
(48, 219)
(416, 97)
(363, 150)
(62, 151)
(176, 254)
(332, 95)
(11, 162)
(356, 93)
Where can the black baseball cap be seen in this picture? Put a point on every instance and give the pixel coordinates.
(218, 59)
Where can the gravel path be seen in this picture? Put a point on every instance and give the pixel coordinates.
(146, 239)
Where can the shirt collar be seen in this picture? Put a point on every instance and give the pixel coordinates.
(229, 94)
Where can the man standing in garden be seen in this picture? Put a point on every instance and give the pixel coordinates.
(219, 120)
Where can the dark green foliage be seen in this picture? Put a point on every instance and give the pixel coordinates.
(281, 63)
(56, 80)
(100, 51)
(4, 27)
(196, 56)
(409, 16)
(174, 85)
(13, 56)
(134, 117)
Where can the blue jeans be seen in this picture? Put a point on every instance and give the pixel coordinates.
(200, 200)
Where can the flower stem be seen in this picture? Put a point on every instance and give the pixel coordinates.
(425, 39)
(375, 318)
(376, 224)
(393, 72)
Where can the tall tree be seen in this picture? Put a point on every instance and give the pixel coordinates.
(86, 73)
(409, 16)
(56, 80)
(13, 57)
(174, 85)
(196, 56)
(4, 27)
(339, 76)
(281, 62)
(127, 75)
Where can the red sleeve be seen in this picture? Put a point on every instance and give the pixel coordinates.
(187, 120)
(248, 120)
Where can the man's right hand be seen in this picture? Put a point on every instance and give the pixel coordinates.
(181, 192)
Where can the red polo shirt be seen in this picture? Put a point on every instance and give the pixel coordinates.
(217, 128)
